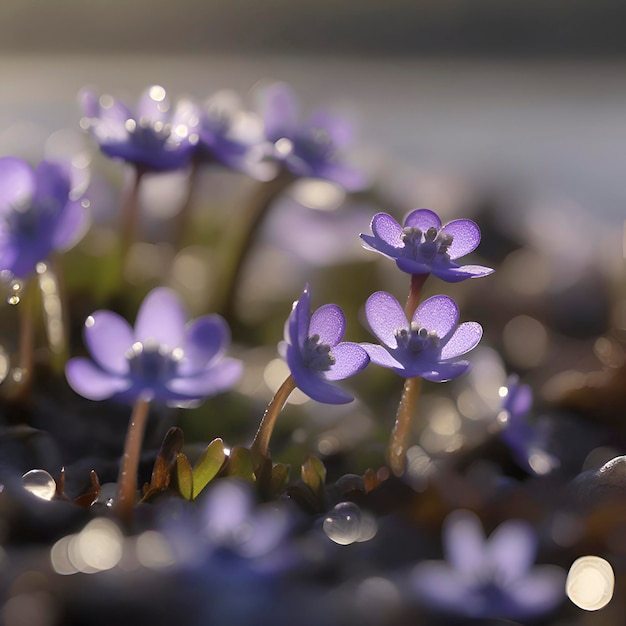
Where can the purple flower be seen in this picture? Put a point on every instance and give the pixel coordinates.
(489, 579)
(41, 212)
(314, 353)
(422, 246)
(153, 137)
(163, 359)
(428, 346)
(526, 441)
(231, 136)
(313, 148)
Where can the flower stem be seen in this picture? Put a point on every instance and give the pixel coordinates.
(398, 443)
(181, 224)
(415, 292)
(252, 219)
(261, 442)
(127, 479)
(396, 452)
(130, 213)
(52, 297)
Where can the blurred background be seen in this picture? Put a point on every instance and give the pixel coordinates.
(522, 98)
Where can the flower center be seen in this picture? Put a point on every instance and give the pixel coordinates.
(416, 339)
(426, 245)
(317, 355)
(152, 364)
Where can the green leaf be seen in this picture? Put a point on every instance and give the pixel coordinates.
(184, 475)
(207, 466)
(314, 474)
(240, 464)
(280, 476)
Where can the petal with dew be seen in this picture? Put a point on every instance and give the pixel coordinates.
(161, 319)
(385, 316)
(466, 237)
(206, 339)
(300, 318)
(329, 323)
(411, 266)
(17, 184)
(218, 378)
(387, 230)
(71, 226)
(439, 314)
(380, 356)
(463, 339)
(457, 274)
(511, 550)
(340, 130)
(279, 110)
(91, 382)
(443, 372)
(109, 337)
(153, 105)
(350, 358)
(464, 542)
(312, 384)
(423, 219)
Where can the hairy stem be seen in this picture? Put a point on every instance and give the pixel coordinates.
(127, 479)
(398, 442)
(261, 441)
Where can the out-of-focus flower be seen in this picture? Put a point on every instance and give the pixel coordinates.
(315, 353)
(429, 346)
(423, 246)
(42, 212)
(527, 441)
(164, 358)
(232, 136)
(153, 137)
(313, 148)
(489, 579)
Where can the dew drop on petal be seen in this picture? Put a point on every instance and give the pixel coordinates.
(343, 524)
(40, 484)
(590, 583)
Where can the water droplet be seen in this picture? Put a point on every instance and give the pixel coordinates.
(343, 524)
(17, 375)
(13, 300)
(16, 289)
(590, 583)
(40, 484)
(107, 495)
(157, 93)
(41, 268)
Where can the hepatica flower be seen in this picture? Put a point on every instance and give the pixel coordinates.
(312, 148)
(424, 246)
(41, 212)
(154, 136)
(492, 578)
(315, 353)
(527, 441)
(163, 358)
(428, 346)
(232, 136)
